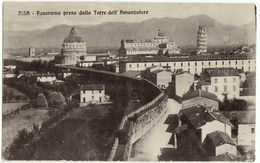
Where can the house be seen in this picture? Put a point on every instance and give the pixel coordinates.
(221, 82)
(203, 121)
(244, 126)
(201, 98)
(158, 76)
(181, 83)
(46, 77)
(191, 126)
(92, 94)
(218, 143)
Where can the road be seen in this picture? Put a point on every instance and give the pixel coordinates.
(148, 147)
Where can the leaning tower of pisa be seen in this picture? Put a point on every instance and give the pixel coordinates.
(202, 40)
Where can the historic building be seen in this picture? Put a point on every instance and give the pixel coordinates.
(218, 143)
(201, 98)
(158, 76)
(73, 49)
(158, 45)
(221, 82)
(92, 94)
(31, 52)
(192, 64)
(202, 40)
(181, 83)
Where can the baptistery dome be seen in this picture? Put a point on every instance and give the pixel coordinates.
(72, 38)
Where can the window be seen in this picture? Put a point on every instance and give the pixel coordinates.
(188, 63)
(229, 62)
(236, 62)
(145, 65)
(92, 91)
(223, 63)
(83, 91)
(216, 80)
(84, 99)
(216, 88)
(152, 64)
(130, 65)
(100, 91)
(225, 88)
(252, 130)
(209, 63)
(216, 63)
(93, 97)
(99, 99)
(137, 65)
(234, 80)
(188, 69)
(202, 63)
(195, 63)
(234, 88)
(248, 61)
(181, 64)
(225, 80)
(174, 64)
(206, 88)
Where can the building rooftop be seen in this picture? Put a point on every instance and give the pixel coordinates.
(136, 59)
(243, 117)
(132, 74)
(72, 38)
(199, 116)
(199, 93)
(45, 75)
(219, 138)
(221, 72)
(92, 87)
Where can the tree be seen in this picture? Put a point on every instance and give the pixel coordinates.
(41, 101)
(59, 99)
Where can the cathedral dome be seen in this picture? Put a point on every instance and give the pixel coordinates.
(73, 37)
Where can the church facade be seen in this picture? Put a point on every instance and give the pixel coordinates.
(159, 44)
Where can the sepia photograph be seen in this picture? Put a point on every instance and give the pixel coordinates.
(128, 81)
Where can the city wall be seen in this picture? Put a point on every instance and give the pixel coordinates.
(136, 123)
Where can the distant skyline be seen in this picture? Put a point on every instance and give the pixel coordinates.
(225, 13)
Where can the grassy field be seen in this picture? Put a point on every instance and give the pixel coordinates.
(25, 119)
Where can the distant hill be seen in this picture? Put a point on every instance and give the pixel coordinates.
(183, 31)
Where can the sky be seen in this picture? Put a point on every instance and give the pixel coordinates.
(225, 13)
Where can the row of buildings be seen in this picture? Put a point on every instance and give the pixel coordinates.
(201, 132)
(222, 82)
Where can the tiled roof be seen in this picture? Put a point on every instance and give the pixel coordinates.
(219, 138)
(221, 72)
(92, 87)
(199, 116)
(243, 117)
(131, 73)
(199, 93)
(155, 58)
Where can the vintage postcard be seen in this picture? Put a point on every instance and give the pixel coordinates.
(116, 81)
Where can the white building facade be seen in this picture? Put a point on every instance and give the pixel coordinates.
(190, 65)
(92, 94)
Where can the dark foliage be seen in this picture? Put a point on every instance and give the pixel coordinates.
(232, 105)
